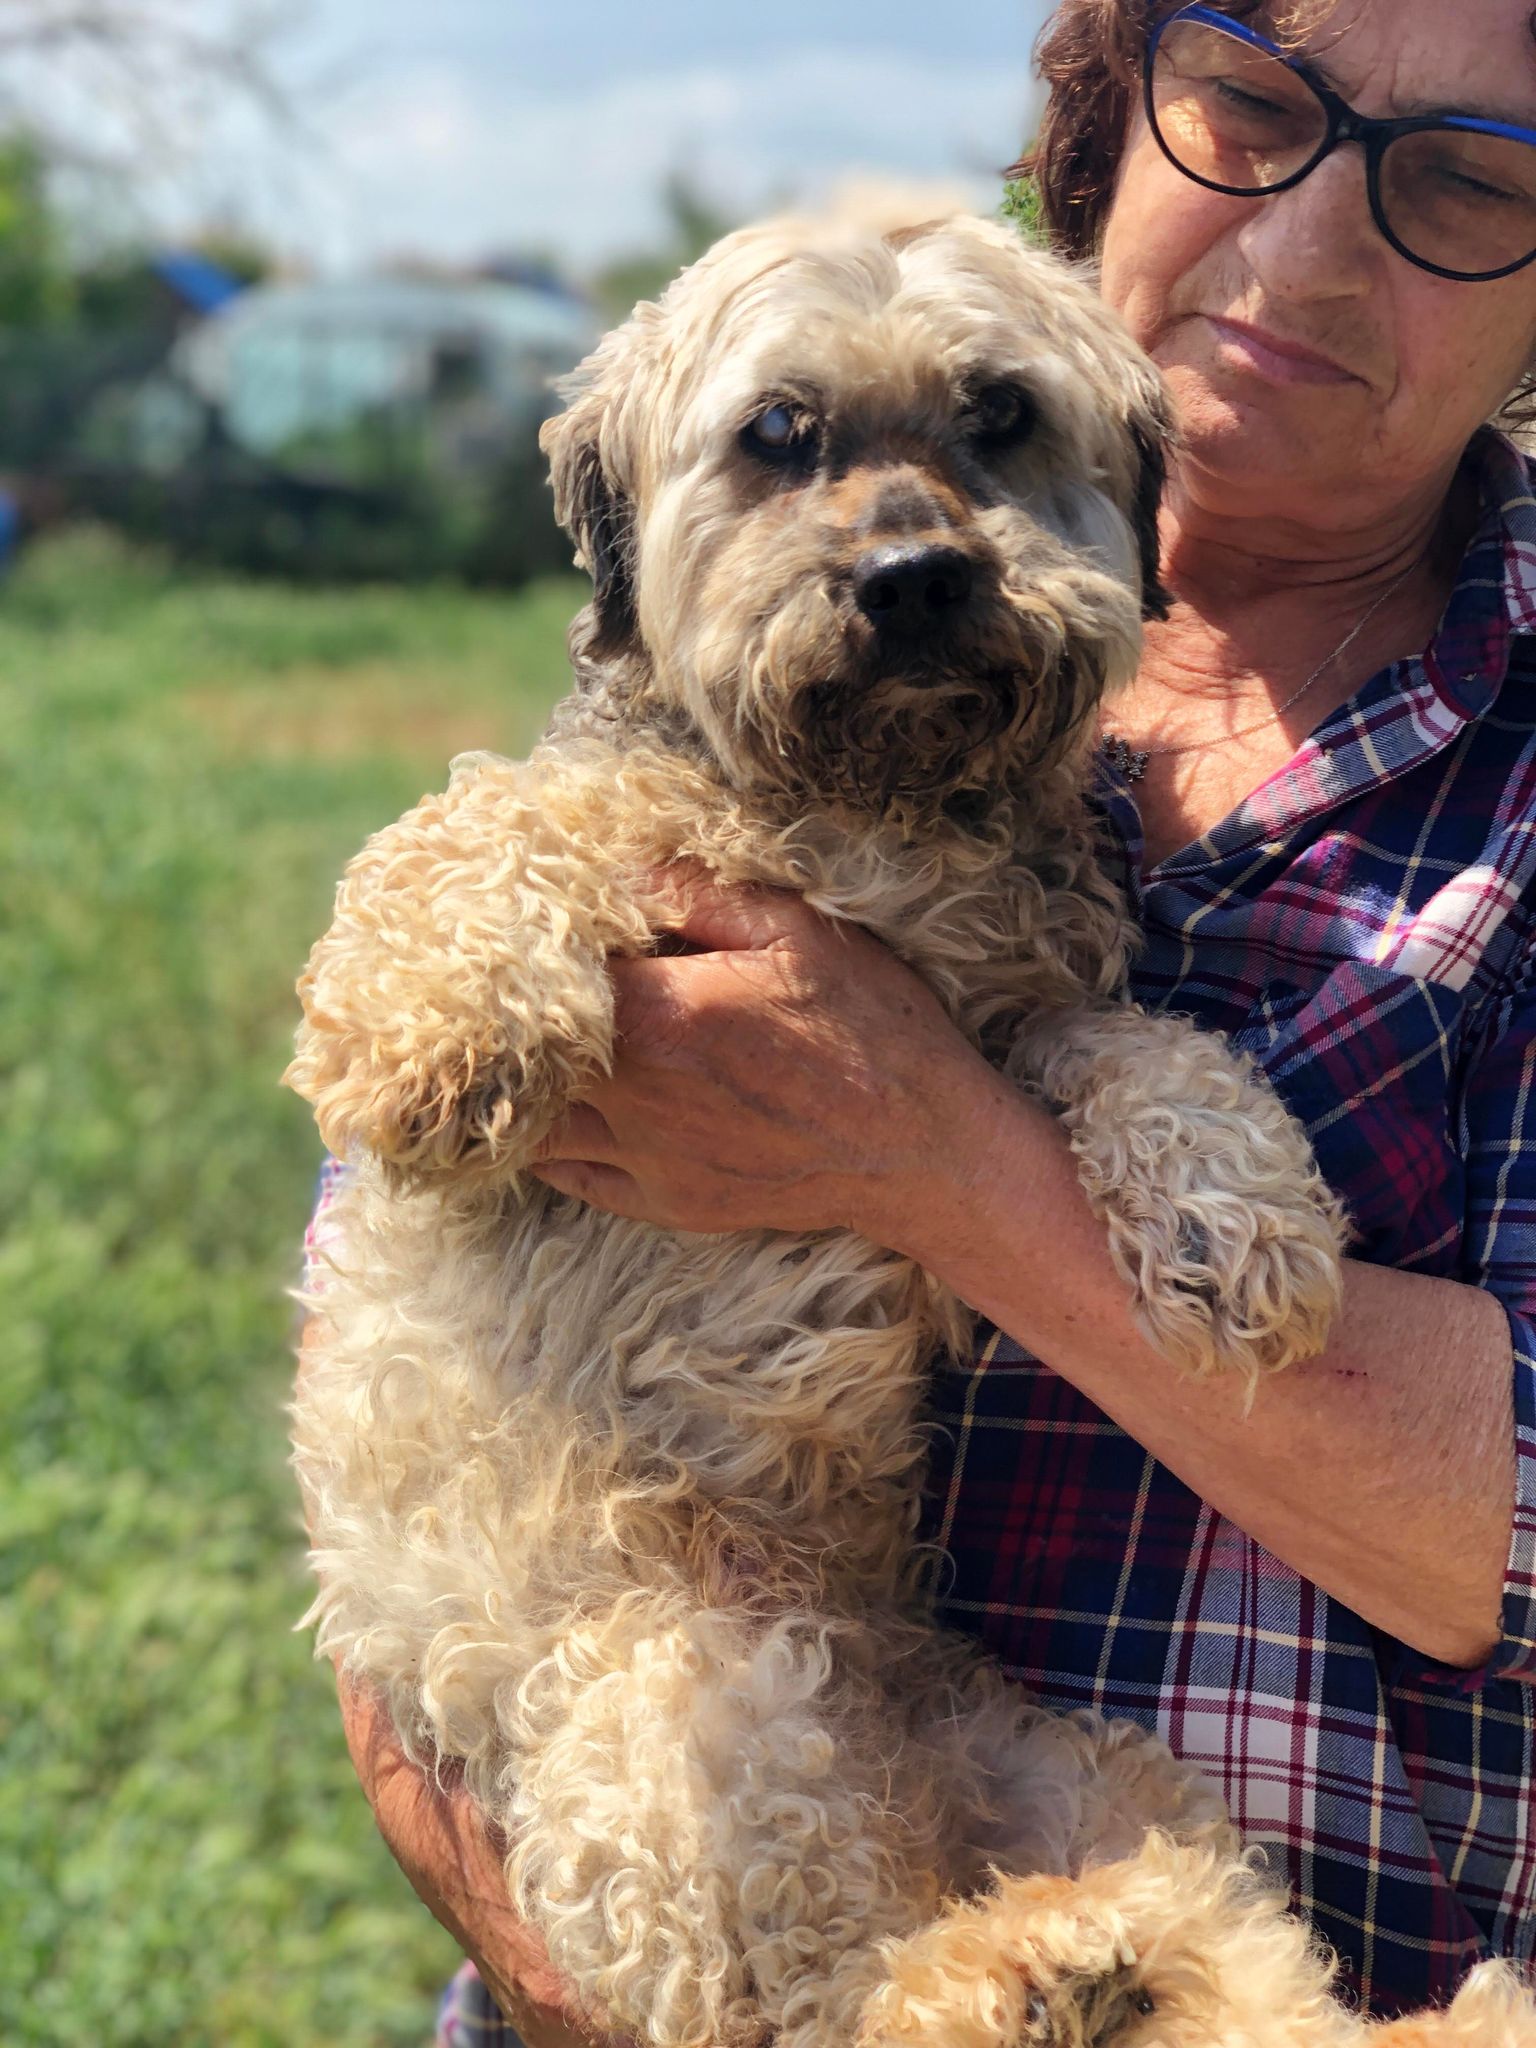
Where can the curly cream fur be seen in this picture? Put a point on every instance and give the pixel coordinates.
(624, 1519)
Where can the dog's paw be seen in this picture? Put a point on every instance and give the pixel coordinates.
(1237, 1282)
(1175, 1947)
(458, 1112)
(1103, 2008)
(1495, 2008)
(1216, 1215)
(425, 1109)
(1032, 1967)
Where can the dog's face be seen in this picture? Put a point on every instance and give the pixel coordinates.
(876, 512)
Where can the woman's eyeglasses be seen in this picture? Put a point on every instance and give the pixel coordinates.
(1453, 194)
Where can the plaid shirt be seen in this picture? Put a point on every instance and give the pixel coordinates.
(1365, 925)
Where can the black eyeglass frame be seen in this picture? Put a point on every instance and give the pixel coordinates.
(1344, 125)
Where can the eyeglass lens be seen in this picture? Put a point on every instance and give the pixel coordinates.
(1238, 118)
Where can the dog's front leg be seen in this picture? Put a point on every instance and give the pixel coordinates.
(460, 998)
(1217, 1216)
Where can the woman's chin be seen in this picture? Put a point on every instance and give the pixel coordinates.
(1262, 448)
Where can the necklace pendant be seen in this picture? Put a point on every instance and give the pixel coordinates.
(1126, 760)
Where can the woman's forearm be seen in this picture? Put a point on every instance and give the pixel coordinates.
(1383, 1471)
(440, 1839)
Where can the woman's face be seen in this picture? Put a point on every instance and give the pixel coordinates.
(1396, 367)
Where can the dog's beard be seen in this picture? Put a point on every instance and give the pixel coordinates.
(954, 739)
(873, 746)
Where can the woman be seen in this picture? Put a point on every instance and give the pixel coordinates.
(1323, 788)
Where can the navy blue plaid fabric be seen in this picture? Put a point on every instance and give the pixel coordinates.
(1365, 925)
(468, 2016)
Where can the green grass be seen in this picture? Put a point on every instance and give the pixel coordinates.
(185, 1857)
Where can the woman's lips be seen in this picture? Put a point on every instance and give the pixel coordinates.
(1279, 361)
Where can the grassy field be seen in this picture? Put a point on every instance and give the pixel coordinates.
(184, 1855)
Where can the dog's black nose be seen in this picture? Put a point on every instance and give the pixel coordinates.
(905, 587)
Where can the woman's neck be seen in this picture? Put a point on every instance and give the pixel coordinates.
(1258, 598)
(1271, 630)
(1221, 560)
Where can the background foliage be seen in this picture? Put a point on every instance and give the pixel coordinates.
(1021, 205)
(185, 1858)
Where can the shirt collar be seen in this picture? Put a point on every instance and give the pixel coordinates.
(1456, 679)
(1494, 598)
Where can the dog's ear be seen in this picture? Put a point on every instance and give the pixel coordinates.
(1150, 424)
(592, 496)
(597, 515)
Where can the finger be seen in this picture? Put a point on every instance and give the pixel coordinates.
(719, 917)
(600, 1187)
(639, 985)
(582, 1133)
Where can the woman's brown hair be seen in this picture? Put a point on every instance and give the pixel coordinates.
(1090, 56)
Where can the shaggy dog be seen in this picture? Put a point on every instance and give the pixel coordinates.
(624, 1519)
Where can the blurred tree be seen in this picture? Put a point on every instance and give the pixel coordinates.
(693, 223)
(235, 250)
(127, 288)
(104, 85)
(37, 288)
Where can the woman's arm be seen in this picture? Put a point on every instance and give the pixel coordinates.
(1382, 1471)
(440, 1840)
(795, 1076)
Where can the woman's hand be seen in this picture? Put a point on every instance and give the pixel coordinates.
(442, 1843)
(788, 1073)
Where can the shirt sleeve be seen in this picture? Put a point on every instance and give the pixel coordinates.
(1499, 1145)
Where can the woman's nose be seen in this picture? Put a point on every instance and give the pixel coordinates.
(1318, 241)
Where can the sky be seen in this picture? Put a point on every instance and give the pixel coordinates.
(451, 128)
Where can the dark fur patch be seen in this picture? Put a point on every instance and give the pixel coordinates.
(1150, 436)
(870, 748)
(601, 522)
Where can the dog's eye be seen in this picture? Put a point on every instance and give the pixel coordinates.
(1001, 415)
(775, 428)
(781, 430)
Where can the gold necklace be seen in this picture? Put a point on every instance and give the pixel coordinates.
(1131, 762)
